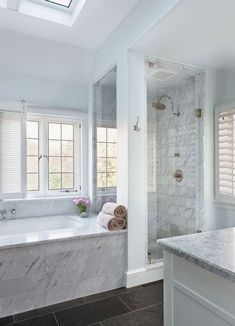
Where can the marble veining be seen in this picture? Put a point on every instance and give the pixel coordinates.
(32, 231)
(174, 143)
(60, 265)
(212, 250)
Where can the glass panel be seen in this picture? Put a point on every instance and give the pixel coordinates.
(67, 164)
(67, 132)
(54, 164)
(67, 181)
(112, 150)
(112, 135)
(54, 181)
(32, 164)
(101, 180)
(111, 179)
(67, 148)
(101, 150)
(54, 130)
(101, 165)
(101, 134)
(32, 182)
(64, 3)
(111, 165)
(32, 129)
(32, 147)
(54, 148)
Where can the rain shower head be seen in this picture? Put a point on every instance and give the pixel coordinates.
(160, 106)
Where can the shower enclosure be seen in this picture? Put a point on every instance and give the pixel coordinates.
(104, 131)
(175, 98)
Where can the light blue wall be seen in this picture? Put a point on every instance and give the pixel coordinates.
(42, 91)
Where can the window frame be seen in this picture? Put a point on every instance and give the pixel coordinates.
(111, 188)
(44, 150)
(56, 6)
(230, 108)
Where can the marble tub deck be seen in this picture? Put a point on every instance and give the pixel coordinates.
(87, 227)
(212, 250)
(39, 269)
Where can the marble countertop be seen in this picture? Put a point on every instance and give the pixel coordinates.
(212, 250)
(86, 228)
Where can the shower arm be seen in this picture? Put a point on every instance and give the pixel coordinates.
(172, 104)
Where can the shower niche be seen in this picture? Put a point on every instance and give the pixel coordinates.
(175, 93)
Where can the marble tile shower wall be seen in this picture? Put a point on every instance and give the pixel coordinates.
(35, 276)
(39, 207)
(172, 205)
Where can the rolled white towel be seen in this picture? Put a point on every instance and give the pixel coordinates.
(111, 222)
(115, 209)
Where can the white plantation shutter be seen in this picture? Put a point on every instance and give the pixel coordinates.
(11, 153)
(225, 154)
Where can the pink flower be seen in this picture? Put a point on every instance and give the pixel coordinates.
(82, 201)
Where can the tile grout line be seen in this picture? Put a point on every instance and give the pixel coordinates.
(56, 319)
(126, 305)
(131, 312)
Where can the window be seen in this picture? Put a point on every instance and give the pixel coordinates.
(106, 157)
(32, 155)
(225, 153)
(63, 3)
(52, 155)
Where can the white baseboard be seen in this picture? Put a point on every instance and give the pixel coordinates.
(153, 272)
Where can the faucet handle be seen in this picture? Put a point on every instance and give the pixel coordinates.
(3, 213)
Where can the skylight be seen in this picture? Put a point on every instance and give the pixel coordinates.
(63, 3)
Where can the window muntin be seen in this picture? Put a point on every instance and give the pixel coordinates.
(32, 155)
(106, 157)
(60, 156)
(58, 168)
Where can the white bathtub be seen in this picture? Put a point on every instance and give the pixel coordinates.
(41, 229)
(53, 259)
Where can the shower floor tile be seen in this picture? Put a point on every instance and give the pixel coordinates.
(137, 306)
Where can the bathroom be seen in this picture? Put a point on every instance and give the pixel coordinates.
(116, 163)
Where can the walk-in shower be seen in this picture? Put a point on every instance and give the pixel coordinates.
(174, 152)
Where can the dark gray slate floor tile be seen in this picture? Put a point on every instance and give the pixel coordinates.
(47, 320)
(93, 312)
(6, 321)
(151, 316)
(49, 309)
(143, 297)
(109, 294)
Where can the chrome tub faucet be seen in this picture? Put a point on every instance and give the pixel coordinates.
(3, 214)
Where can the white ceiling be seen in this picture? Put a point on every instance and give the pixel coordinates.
(37, 57)
(95, 22)
(198, 32)
(39, 48)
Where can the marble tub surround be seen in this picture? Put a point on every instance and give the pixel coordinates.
(37, 207)
(42, 274)
(212, 250)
